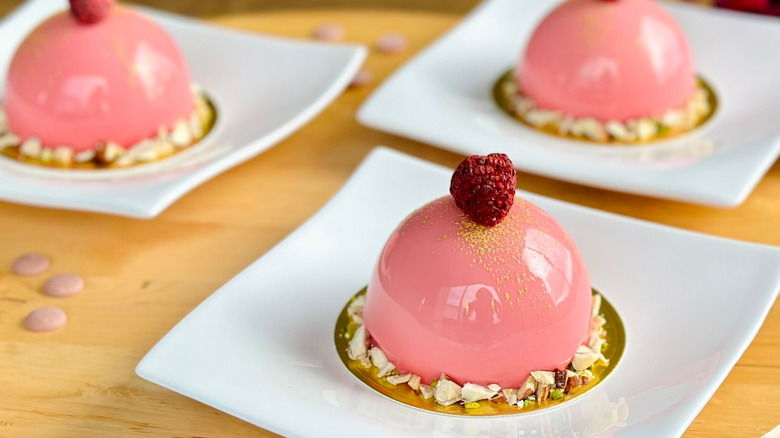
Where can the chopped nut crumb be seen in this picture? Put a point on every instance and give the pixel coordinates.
(414, 382)
(542, 393)
(539, 386)
(397, 379)
(184, 133)
(560, 378)
(572, 382)
(589, 128)
(446, 392)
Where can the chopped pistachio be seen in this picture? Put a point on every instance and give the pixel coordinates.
(556, 394)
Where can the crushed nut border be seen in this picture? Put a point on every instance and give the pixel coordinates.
(540, 390)
(185, 132)
(700, 108)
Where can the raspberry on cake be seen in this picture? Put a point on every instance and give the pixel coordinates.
(90, 11)
(484, 187)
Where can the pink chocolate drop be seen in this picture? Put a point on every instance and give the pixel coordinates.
(45, 319)
(362, 78)
(63, 285)
(392, 42)
(30, 264)
(330, 32)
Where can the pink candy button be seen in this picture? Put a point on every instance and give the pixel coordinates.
(330, 32)
(63, 285)
(45, 319)
(362, 78)
(30, 264)
(392, 42)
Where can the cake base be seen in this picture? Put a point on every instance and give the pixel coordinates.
(346, 326)
(187, 132)
(508, 95)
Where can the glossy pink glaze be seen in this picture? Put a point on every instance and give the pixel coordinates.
(613, 60)
(483, 305)
(74, 84)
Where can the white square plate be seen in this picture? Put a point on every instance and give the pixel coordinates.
(263, 88)
(261, 348)
(443, 97)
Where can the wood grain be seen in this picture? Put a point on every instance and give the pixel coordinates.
(144, 276)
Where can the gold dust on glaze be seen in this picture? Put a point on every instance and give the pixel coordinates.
(488, 245)
(34, 42)
(593, 30)
(496, 250)
(612, 350)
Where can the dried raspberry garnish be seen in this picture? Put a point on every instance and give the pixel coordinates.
(90, 11)
(484, 187)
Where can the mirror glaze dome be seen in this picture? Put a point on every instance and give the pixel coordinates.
(119, 80)
(483, 305)
(610, 60)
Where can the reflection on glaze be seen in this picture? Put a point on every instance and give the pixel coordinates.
(79, 92)
(662, 46)
(487, 305)
(608, 60)
(119, 80)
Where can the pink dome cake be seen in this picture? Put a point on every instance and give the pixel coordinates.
(482, 304)
(118, 78)
(608, 60)
(622, 62)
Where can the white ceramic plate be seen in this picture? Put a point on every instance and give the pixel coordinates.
(443, 97)
(263, 88)
(261, 348)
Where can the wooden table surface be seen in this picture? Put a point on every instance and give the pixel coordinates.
(144, 276)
